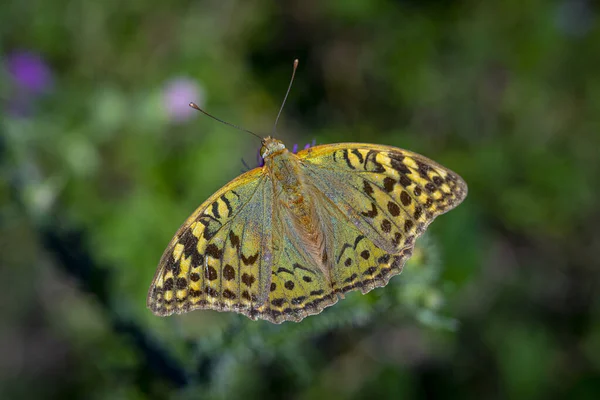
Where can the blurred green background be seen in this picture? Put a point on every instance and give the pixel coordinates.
(101, 160)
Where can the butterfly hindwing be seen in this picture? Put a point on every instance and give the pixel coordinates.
(356, 262)
(219, 258)
(299, 287)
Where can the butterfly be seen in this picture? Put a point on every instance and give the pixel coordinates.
(288, 239)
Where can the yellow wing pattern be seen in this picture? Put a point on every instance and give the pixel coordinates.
(220, 257)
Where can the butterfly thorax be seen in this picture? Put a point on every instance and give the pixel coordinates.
(284, 169)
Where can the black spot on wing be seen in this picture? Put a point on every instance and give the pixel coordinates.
(277, 302)
(397, 164)
(181, 283)
(298, 300)
(209, 217)
(347, 245)
(386, 226)
(384, 259)
(210, 273)
(405, 181)
(367, 188)
(358, 155)
(209, 228)
(405, 198)
(250, 260)
(377, 167)
(372, 213)
(418, 212)
(393, 208)
(423, 169)
(227, 204)
(344, 247)
(189, 242)
(215, 210)
(228, 272)
(357, 240)
(388, 184)
(281, 269)
(213, 251)
(234, 239)
(248, 279)
(298, 266)
(438, 180)
(345, 155)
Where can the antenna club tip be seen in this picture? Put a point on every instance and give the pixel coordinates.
(193, 105)
(296, 63)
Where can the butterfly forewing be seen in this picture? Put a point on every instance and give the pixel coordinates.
(391, 195)
(220, 257)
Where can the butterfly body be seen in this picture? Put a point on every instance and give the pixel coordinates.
(293, 194)
(286, 240)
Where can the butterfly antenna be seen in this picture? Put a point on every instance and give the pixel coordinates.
(246, 165)
(195, 106)
(286, 95)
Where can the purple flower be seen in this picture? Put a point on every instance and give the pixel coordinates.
(177, 95)
(30, 77)
(29, 72)
(306, 146)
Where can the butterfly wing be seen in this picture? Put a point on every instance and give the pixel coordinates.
(379, 200)
(299, 286)
(220, 257)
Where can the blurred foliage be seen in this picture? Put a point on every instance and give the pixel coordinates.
(101, 161)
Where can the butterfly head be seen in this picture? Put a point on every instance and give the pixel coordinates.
(271, 146)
